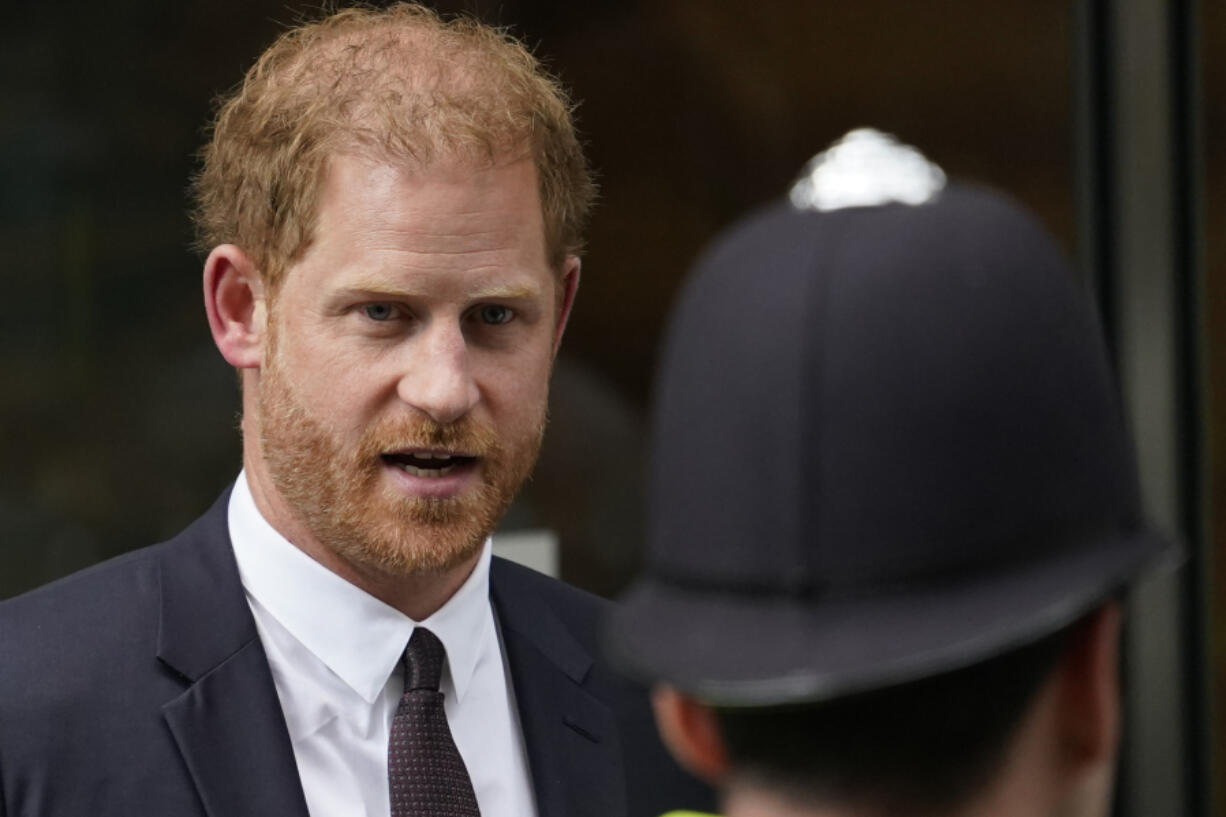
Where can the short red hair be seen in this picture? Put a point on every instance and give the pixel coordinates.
(399, 84)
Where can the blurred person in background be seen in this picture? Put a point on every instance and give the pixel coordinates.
(892, 506)
(392, 206)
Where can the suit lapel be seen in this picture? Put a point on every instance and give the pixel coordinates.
(571, 737)
(228, 723)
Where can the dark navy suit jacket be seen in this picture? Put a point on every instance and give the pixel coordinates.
(139, 687)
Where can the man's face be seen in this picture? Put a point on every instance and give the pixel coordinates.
(403, 390)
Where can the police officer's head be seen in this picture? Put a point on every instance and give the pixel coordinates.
(892, 498)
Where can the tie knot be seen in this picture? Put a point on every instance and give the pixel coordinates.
(423, 661)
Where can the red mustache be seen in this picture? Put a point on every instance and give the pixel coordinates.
(465, 436)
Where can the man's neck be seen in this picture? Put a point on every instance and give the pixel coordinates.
(1009, 796)
(752, 801)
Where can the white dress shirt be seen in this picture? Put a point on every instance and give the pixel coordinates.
(335, 656)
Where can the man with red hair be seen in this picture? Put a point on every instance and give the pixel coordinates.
(391, 205)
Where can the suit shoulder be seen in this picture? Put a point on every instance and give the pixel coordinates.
(108, 609)
(92, 598)
(556, 593)
(61, 639)
(116, 581)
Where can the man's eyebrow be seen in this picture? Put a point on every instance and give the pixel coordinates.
(505, 292)
(494, 291)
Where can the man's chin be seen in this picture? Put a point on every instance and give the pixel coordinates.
(408, 560)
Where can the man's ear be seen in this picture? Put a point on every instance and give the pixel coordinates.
(691, 732)
(1090, 689)
(569, 285)
(234, 301)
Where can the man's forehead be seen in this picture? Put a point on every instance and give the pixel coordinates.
(385, 229)
(482, 202)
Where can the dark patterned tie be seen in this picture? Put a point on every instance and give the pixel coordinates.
(425, 773)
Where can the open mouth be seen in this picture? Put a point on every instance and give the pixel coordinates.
(428, 463)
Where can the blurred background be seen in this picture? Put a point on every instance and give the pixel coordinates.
(1106, 119)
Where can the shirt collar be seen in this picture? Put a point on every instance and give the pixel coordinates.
(355, 635)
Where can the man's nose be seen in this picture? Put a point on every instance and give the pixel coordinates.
(438, 379)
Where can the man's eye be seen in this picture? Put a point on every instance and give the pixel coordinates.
(379, 312)
(495, 314)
